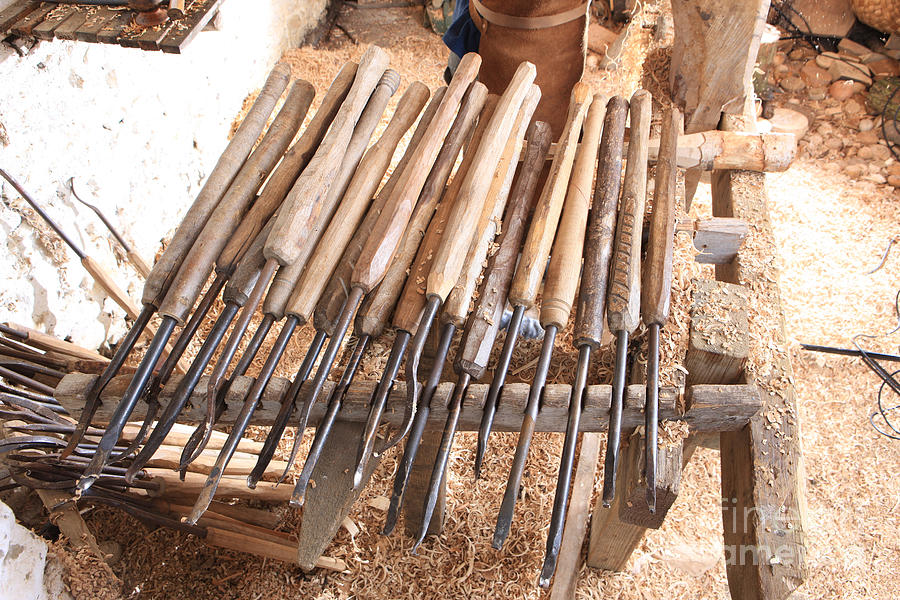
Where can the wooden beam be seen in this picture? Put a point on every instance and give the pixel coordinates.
(634, 509)
(717, 239)
(719, 342)
(553, 415)
(417, 488)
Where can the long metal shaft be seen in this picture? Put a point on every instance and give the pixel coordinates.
(418, 427)
(610, 464)
(443, 456)
(493, 395)
(651, 413)
(242, 420)
(567, 462)
(185, 389)
(335, 402)
(504, 519)
(286, 410)
(127, 404)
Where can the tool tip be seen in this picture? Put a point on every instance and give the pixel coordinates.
(297, 500)
(358, 474)
(84, 484)
(499, 539)
(544, 582)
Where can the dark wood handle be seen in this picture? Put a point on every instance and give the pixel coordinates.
(456, 307)
(217, 183)
(565, 258)
(533, 262)
(388, 231)
(589, 318)
(306, 199)
(624, 295)
(378, 306)
(484, 321)
(656, 286)
(241, 283)
(294, 161)
(332, 299)
(356, 200)
(412, 301)
(199, 262)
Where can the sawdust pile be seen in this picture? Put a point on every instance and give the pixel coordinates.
(86, 576)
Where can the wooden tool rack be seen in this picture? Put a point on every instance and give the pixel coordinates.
(105, 25)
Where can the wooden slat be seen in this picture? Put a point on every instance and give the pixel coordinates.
(95, 21)
(150, 38)
(13, 13)
(114, 26)
(66, 30)
(26, 24)
(198, 15)
(54, 19)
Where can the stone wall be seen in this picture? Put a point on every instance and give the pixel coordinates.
(139, 131)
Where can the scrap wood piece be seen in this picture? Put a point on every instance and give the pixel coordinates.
(55, 18)
(66, 30)
(28, 22)
(14, 12)
(184, 30)
(95, 21)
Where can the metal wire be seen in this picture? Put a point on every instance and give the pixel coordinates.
(880, 419)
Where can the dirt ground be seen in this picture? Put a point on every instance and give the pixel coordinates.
(830, 227)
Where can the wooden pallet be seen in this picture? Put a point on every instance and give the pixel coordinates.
(104, 25)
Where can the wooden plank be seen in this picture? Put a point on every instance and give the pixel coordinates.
(634, 509)
(417, 488)
(330, 494)
(54, 18)
(96, 19)
(719, 340)
(762, 466)
(114, 26)
(717, 239)
(150, 38)
(552, 417)
(66, 30)
(198, 15)
(24, 26)
(566, 578)
(14, 12)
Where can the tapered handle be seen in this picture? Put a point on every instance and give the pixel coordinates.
(656, 286)
(531, 267)
(463, 219)
(294, 161)
(306, 199)
(624, 295)
(137, 261)
(456, 308)
(376, 309)
(241, 283)
(332, 299)
(590, 317)
(106, 281)
(412, 301)
(388, 231)
(484, 321)
(199, 262)
(353, 206)
(217, 183)
(565, 258)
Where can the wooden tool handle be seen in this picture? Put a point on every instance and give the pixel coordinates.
(329, 307)
(138, 262)
(354, 204)
(109, 285)
(656, 284)
(412, 300)
(456, 308)
(589, 319)
(216, 184)
(388, 230)
(294, 161)
(533, 261)
(198, 263)
(714, 150)
(463, 219)
(378, 306)
(305, 200)
(624, 295)
(241, 283)
(484, 321)
(565, 257)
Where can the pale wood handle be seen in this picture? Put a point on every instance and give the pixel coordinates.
(388, 230)
(565, 257)
(199, 261)
(378, 306)
(412, 300)
(109, 285)
(137, 261)
(484, 321)
(241, 283)
(51, 343)
(329, 306)
(531, 267)
(294, 161)
(463, 219)
(456, 308)
(217, 183)
(624, 295)
(590, 317)
(305, 200)
(656, 285)
(354, 204)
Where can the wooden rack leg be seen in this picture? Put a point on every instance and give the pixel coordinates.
(634, 507)
(417, 487)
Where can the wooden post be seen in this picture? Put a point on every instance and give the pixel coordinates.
(633, 508)
(718, 345)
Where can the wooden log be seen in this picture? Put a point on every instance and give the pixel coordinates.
(718, 345)
(252, 542)
(234, 487)
(552, 417)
